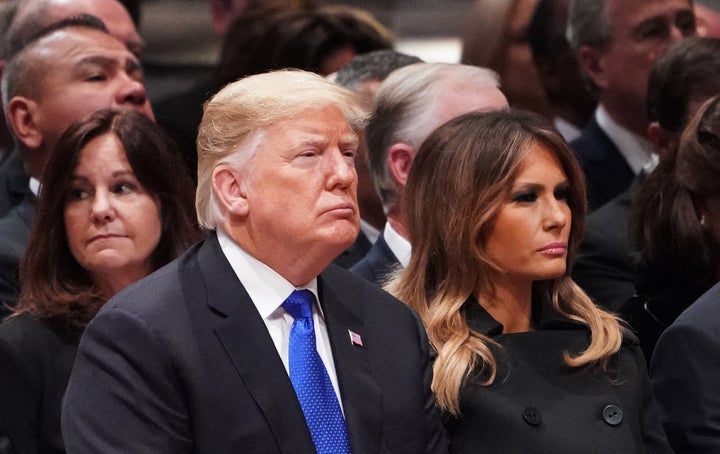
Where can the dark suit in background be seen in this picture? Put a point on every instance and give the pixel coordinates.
(182, 362)
(354, 253)
(35, 363)
(15, 233)
(685, 373)
(606, 172)
(605, 266)
(13, 182)
(378, 263)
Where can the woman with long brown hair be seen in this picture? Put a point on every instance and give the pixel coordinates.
(495, 205)
(115, 205)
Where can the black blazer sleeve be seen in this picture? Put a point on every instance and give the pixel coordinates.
(685, 370)
(19, 400)
(147, 412)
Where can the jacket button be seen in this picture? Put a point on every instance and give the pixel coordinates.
(531, 415)
(612, 414)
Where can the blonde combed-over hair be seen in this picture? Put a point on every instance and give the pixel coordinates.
(234, 122)
(461, 176)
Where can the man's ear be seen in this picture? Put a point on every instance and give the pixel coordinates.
(230, 190)
(662, 139)
(592, 62)
(399, 160)
(22, 116)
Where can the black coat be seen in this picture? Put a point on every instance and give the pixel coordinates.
(35, 363)
(537, 404)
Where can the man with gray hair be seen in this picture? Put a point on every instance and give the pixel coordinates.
(410, 104)
(245, 344)
(617, 42)
(363, 75)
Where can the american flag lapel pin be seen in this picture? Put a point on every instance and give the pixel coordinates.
(355, 338)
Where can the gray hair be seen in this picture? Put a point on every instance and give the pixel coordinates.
(405, 112)
(234, 122)
(588, 24)
(372, 65)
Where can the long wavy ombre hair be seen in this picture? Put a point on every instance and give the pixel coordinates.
(461, 177)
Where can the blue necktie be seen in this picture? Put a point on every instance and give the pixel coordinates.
(311, 381)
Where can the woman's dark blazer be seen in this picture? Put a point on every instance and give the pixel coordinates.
(538, 404)
(35, 364)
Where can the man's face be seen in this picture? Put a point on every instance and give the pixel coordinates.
(641, 30)
(301, 188)
(84, 70)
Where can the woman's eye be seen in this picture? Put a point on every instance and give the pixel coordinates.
(525, 197)
(124, 188)
(78, 194)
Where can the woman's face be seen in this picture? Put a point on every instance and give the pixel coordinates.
(113, 224)
(529, 237)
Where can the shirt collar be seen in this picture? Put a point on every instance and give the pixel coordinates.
(399, 246)
(266, 288)
(636, 150)
(544, 315)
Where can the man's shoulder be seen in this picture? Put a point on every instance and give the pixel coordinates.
(377, 264)
(592, 143)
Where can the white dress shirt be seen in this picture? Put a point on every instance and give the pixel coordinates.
(636, 150)
(399, 246)
(268, 290)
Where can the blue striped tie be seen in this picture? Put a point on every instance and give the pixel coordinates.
(311, 381)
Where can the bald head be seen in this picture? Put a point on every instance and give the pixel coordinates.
(33, 15)
(62, 75)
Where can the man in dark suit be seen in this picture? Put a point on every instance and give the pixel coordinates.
(617, 43)
(682, 78)
(410, 104)
(198, 357)
(48, 88)
(363, 75)
(684, 373)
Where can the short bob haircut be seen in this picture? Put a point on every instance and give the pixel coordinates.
(232, 127)
(54, 285)
(461, 177)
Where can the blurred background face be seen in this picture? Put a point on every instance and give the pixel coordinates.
(642, 30)
(113, 224)
(87, 71)
(529, 238)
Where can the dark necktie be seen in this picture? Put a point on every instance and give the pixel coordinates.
(311, 381)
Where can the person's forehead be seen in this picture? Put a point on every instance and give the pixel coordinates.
(110, 12)
(630, 12)
(60, 52)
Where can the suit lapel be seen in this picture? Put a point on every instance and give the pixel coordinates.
(361, 397)
(249, 347)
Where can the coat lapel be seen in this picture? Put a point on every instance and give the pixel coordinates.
(249, 347)
(361, 397)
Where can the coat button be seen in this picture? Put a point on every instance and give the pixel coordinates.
(531, 415)
(612, 414)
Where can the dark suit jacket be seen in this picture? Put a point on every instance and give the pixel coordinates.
(35, 363)
(606, 172)
(685, 371)
(13, 182)
(605, 266)
(354, 253)
(537, 404)
(182, 362)
(378, 263)
(14, 235)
